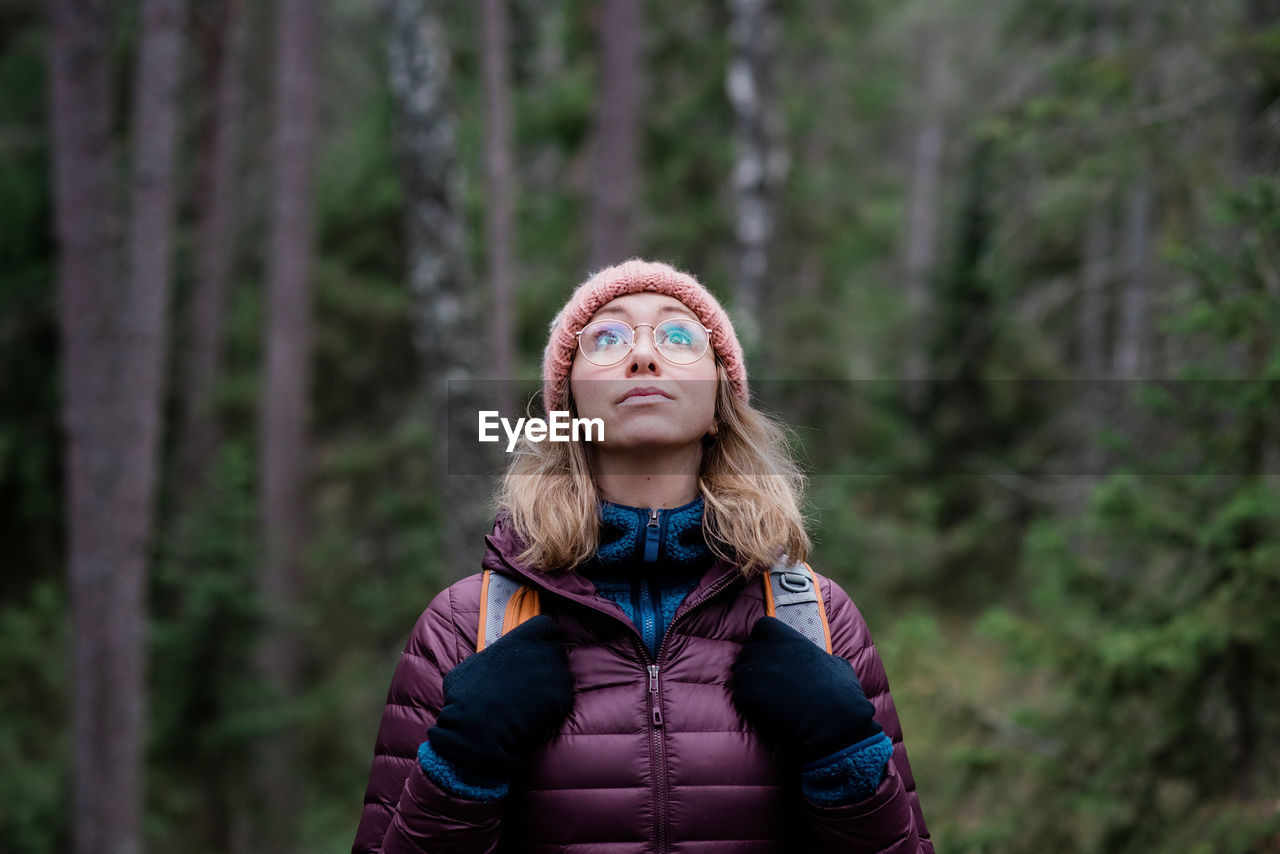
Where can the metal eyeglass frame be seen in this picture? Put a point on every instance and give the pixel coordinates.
(656, 346)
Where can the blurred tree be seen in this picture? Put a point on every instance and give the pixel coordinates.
(761, 161)
(614, 188)
(500, 177)
(920, 243)
(221, 81)
(446, 312)
(114, 322)
(1132, 346)
(284, 460)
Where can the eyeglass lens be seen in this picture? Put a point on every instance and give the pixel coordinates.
(607, 342)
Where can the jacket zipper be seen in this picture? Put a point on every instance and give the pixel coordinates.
(653, 689)
(659, 759)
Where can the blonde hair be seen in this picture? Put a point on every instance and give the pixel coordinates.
(752, 487)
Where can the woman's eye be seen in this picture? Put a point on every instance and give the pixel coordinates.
(605, 340)
(677, 336)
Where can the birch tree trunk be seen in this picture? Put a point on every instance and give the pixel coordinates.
(447, 330)
(1095, 274)
(921, 245)
(1095, 283)
(501, 180)
(1091, 334)
(1131, 356)
(761, 163)
(283, 463)
(113, 327)
(615, 158)
(215, 249)
(1131, 343)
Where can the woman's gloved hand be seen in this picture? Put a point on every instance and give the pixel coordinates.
(504, 700)
(799, 695)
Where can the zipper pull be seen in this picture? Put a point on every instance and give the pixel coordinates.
(651, 535)
(653, 690)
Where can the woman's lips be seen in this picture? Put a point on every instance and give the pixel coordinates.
(636, 399)
(644, 394)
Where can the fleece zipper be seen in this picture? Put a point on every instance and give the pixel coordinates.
(645, 595)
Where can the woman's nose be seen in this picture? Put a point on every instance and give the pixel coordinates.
(644, 349)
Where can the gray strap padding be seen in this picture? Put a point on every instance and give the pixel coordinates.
(501, 589)
(795, 600)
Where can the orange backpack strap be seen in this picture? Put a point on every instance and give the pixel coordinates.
(504, 604)
(791, 595)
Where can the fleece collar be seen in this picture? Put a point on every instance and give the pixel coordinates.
(642, 538)
(503, 546)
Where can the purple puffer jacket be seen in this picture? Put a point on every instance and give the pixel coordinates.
(614, 781)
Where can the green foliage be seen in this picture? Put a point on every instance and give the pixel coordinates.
(1092, 679)
(1153, 612)
(30, 491)
(35, 785)
(205, 700)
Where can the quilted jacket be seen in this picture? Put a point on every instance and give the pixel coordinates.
(640, 765)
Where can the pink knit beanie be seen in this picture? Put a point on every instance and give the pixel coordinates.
(629, 277)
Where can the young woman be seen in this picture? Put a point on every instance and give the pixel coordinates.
(652, 705)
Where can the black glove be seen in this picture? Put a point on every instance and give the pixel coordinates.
(504, 700)
(799, 695)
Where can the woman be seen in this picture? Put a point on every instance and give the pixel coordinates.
(652, 705)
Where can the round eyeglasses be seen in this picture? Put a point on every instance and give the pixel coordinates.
(680, 341)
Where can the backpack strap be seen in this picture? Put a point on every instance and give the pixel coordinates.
(791, 595)
(504, 604)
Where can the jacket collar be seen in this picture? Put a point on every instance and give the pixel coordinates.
(503, 545)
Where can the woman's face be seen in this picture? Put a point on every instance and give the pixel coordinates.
(683, 409)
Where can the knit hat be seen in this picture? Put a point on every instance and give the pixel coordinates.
(630, 277)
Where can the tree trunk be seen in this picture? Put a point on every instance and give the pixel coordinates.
(921, 249)
(113, 327)
(1131, 343)
(1091, 333)
(1096, 272)
(1131, 353)
(501, 180)
(446, 317)
(285, 393)
(615, 160)
(761, 159)
(215, 249)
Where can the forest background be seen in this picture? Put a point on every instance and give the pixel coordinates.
(1011, 268)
